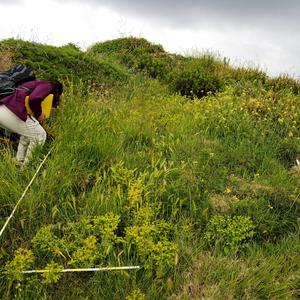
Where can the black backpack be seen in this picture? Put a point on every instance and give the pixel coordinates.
(11, 78)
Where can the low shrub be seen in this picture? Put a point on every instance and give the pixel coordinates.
(136, 54)
(229, 234)
(154, 67)
(271, 221)
(129, 44)
(195, 82)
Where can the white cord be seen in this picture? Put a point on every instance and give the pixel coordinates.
(83, 270)
(24, 193)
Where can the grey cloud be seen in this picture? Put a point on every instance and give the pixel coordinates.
(275, 18)
(265, 29)
(195, 12)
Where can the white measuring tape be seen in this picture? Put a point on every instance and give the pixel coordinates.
(83, 270)
(24, 193)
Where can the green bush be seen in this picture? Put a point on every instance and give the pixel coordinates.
(128, 51)
(80, 243)
(272, 218)
(154, 67)
(195, 82)
(65, 63)
(136, 54)
(129, 44)
(23, 258)
(287, 151)
(229, 234)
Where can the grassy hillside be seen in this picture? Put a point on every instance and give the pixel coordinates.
(181, 165)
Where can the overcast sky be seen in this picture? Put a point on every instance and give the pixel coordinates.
(257, 33)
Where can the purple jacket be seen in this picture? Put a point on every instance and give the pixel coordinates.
(38, 91)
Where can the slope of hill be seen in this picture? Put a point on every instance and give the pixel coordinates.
(183, 166)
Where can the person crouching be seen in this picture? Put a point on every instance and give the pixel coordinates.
(14, 115)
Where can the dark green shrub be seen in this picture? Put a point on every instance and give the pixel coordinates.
(271, 216)
(154, 67)
(135, 53)
(127, 51)
(129, 44)
(287, 151)
(195, 82)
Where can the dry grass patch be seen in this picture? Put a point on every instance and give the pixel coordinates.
(222, 204)
(242, 188)
(6, 61)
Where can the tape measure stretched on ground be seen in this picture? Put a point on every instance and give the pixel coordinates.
(83, 270)
(24, 193)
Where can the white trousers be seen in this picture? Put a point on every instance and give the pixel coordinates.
(31, 132)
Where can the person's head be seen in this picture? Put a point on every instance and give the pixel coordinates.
(57, 92)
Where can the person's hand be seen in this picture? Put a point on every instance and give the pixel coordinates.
(42, 117)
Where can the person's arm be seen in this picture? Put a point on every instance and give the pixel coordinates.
(41, 117)
(37, 95)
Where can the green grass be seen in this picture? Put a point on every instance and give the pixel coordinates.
(64, 63)
(136, 176)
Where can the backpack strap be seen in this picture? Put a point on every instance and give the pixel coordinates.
(24, 88)
(21, 74)
(7, 85)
